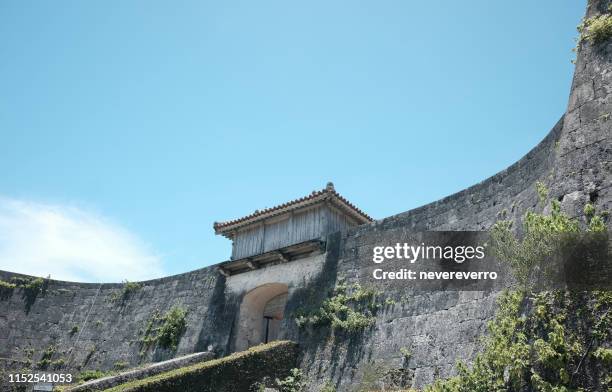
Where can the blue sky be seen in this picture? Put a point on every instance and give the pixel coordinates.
(127, 128)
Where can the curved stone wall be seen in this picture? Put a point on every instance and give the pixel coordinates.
(574, 161)
(95, 326)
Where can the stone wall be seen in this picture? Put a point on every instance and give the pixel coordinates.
(94, 326)
(574, 161)
(98, 327)
(237, 372)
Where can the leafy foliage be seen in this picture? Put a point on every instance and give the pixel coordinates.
(120, 365)
(540, 239)
(406, 353)
(45, 359)
(328, 387)
(597, 29)
(7, 285)
(128, 289)
(6, 289)
(349, 308)
(173, 326)
(294, 382)
(31, 288)
(542, 191)
(541, 351)
(539, 341)
(166, 330)
(604, 354)
(90, 375)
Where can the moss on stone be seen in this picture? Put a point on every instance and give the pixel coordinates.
(236, 372)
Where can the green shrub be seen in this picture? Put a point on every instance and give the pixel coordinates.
(538, 341)
(597, 224)
(173, 326)
(328, 387)
(292, 383)
(236, 372)
(128, 289)
(540, 239)
(589, 210)
(538, 351)
(406, 353)
(604, 355)
(45, 359)
(7, 285)
(88, 375)
(74, 330)
(35, 285)
(6, 289)
(348, 308)
(120, 365)
(597, 29)
(542, 191)
(166, 330)
(58, 363)
(31, 288)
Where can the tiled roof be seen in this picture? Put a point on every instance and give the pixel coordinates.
(328, 193)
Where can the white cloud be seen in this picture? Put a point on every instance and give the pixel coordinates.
(70, 243)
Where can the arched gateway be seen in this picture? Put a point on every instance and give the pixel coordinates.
(260, 316)
(264, 242)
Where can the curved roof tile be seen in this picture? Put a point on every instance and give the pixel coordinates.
(329, 192)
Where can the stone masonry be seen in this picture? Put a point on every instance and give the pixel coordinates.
(574, 161)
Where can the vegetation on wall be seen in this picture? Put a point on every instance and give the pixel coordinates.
(541, 236)
(120, 365)
(542, 191)
(7, 285)
(88, 375)
(328, 387)
(6, 289)
(294, 382)
(128, 289)
(406, 353)
(236, 372)
(33, 285)
(543, 349)
(46, 361)
(164, 331)
(539, 240)
(74, 330)
(348, 308)
(596, 29)
(552, 341)
(30, 289)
